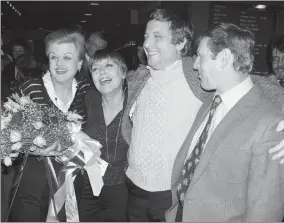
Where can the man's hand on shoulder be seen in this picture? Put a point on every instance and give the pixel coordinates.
(279, 149)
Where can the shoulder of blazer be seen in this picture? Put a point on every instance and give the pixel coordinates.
(271, 88)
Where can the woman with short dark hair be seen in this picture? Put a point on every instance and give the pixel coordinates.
(105, 106)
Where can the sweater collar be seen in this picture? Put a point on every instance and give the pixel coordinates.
(167, 73)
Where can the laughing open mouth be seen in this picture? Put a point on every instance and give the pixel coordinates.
(105, 80)
(60, 71)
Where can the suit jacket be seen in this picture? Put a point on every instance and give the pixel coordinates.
(235, 178)
(138, 79)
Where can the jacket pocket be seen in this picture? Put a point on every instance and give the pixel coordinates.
(231, 165)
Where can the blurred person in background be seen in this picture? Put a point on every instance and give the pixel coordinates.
(5, 57)
(277, 58)
(12, 74)
(94, 43)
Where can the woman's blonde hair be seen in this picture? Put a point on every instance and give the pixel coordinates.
(66, 36)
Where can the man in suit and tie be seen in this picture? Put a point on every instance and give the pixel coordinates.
(223, 170)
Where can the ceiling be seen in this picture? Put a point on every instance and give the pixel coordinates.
(51, 15)
(113, 17)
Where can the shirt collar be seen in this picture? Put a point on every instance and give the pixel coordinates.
(231, 97)
(51, 91)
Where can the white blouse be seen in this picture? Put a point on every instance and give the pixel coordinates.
(51, 92)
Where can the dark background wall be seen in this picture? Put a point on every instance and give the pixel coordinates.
(124, 22)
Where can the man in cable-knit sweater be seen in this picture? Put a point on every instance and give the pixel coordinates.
(164, 98)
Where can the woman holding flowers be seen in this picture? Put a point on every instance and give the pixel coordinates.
(105, 108)
(58, 88)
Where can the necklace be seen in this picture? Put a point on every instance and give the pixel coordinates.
(117, 134)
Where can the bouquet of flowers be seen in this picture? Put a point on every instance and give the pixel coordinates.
(28, 127)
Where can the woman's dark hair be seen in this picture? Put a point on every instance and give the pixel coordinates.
(108, 54)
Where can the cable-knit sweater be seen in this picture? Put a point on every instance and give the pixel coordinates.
(138, 80)
(156, 135)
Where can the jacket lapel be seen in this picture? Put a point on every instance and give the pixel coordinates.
(229, 122)
(182, 154)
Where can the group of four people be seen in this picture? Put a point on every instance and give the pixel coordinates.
(165, 152)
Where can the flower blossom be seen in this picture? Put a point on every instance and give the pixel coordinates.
(13, 154)
(24, 100)
(74, 117)
(17, 146)
(7, 161)
(38, 125)
(5, 120)
(39, 141)
(15, 136)
(12, 106)
(73, 128)
(33, 148)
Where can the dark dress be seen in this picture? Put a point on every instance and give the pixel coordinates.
(111, 204)
(33, 195)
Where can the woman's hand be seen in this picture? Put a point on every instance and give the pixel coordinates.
(278, 149)
(53, 150)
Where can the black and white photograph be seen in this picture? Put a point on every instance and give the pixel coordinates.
(142, 111)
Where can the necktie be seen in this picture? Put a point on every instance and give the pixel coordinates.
(193, 160)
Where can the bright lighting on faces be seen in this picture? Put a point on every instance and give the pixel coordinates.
(206, 66)
(64, 61)
(160, 51)
(107, 76)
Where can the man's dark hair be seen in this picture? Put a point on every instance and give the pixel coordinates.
(239, 41)
(277, 42)
(19, 42)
